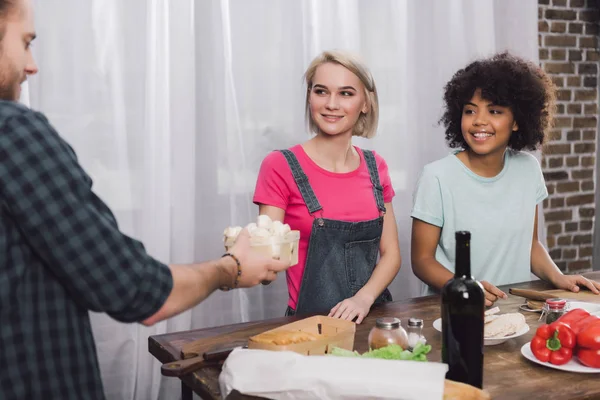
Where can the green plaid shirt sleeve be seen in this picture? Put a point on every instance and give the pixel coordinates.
(49, 197)
(61, 254)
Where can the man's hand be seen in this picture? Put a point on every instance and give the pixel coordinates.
(492, 293)
(357, 307)
(255, 267)
(195, 282)
(572, 283)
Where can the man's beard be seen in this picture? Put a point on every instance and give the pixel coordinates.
(10, 83)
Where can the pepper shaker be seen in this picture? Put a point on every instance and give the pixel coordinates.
(387, 331)
(554, 309)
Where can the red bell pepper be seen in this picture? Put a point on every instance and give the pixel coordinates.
(584, 323)
(554, 343)
(588, 357)
(573, 316)
(588, 341)
(589, 337)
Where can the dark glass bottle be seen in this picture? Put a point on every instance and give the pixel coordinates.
(463, 305)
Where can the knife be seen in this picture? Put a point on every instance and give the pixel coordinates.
(183, 367)
(532, 294)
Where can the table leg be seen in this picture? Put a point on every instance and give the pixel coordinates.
(186, 392)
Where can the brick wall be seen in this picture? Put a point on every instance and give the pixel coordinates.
(568, 39)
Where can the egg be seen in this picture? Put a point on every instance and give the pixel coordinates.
(264, 221)
(232, 231)
(279, 229)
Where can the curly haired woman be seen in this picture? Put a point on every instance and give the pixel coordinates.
(494, 109)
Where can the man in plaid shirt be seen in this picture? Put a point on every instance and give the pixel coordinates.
(62, 254)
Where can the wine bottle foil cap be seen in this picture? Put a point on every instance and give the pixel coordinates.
(462, 234)
(415, 322)
(388, 323)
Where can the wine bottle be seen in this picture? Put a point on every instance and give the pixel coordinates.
(463, 305)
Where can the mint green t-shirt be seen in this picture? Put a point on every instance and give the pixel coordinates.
(499, 212)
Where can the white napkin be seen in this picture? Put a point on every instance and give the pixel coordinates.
(290, 376)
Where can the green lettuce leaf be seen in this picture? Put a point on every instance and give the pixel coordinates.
(336, 351)
(390, 352)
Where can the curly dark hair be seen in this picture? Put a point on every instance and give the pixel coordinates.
(508, 81)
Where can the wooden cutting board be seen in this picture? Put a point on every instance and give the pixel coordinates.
(542, 295)
(583, 295)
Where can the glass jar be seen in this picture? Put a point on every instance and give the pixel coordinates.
(415, 332)
(387, 331)
(554, 309)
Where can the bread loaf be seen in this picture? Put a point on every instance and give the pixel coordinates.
(282, 338)
(460, 391)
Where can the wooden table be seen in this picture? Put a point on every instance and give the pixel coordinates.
(507, 374)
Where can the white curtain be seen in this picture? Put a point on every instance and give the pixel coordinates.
(172, 104)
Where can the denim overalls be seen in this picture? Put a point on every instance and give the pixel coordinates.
(341, 255)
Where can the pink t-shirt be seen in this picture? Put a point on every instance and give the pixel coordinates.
(343, 196)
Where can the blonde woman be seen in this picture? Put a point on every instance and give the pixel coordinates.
(338, 195)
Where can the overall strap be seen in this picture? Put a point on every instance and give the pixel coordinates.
(374, 173)
(301, 179)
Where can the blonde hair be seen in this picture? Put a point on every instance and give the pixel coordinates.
(366, 125)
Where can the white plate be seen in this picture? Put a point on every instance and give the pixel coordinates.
(437, 325)
(592, 308)
(524, 307)
(573, 365)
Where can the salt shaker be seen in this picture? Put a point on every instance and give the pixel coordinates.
(414, 331)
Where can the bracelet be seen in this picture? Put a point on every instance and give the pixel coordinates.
(239, 272)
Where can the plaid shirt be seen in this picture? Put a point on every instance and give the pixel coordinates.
(61, 254)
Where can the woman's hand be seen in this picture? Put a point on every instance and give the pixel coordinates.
(492, 293)
(572, 283)
(357, 307)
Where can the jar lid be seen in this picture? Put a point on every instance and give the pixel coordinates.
(556, 303)
(415, 322)
(388, 323)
